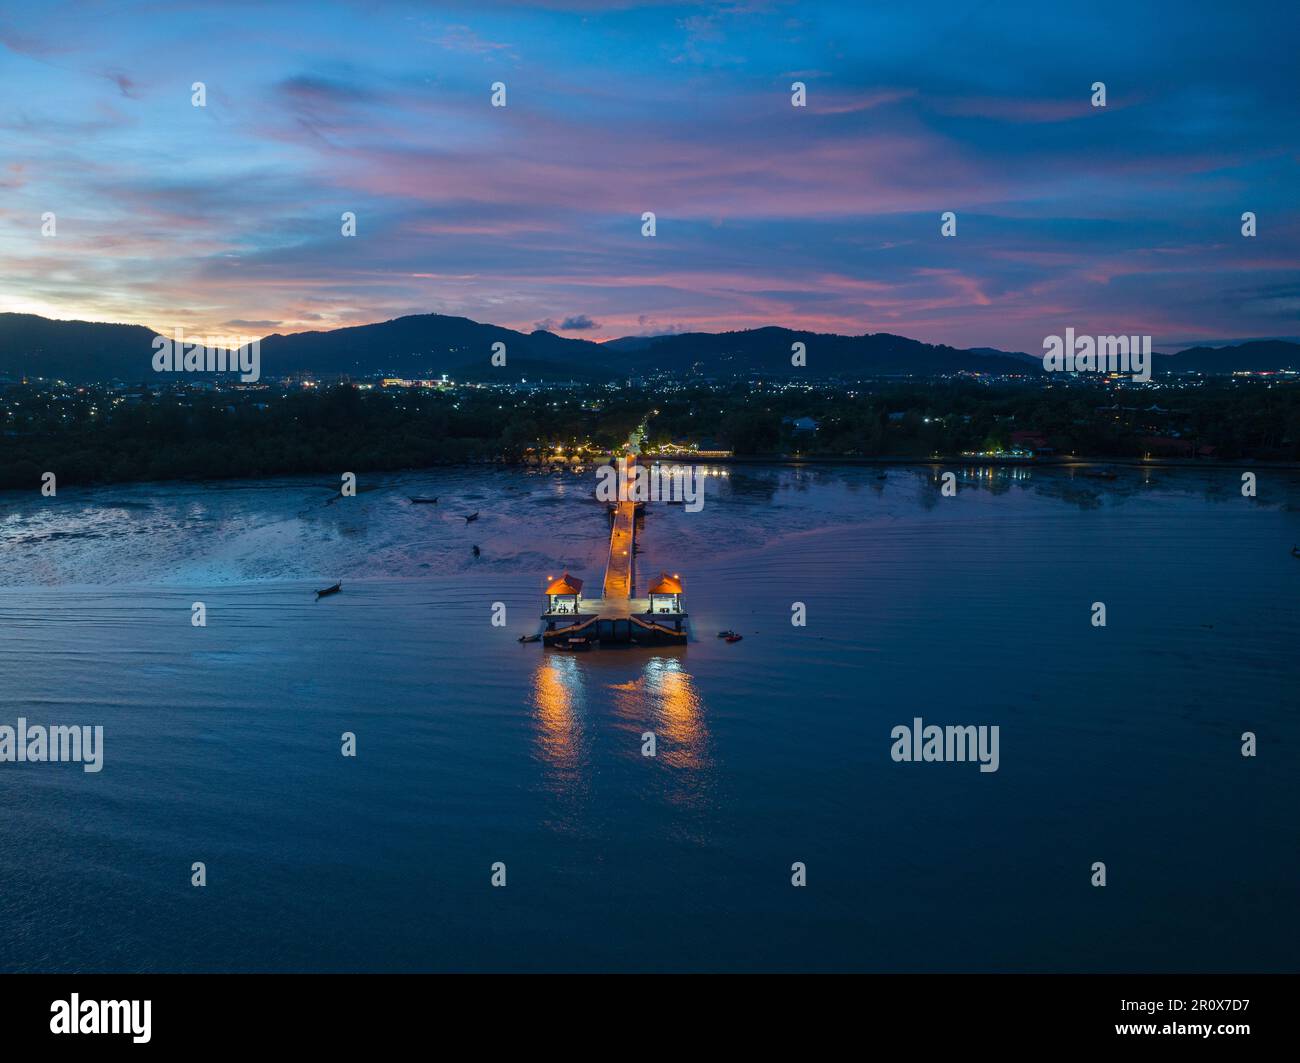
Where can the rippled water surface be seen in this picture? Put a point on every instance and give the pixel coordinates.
(222, 744)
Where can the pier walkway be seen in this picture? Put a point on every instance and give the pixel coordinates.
(622, 538)
(622, 544)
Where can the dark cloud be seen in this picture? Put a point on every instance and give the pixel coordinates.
(124, 84)
(572, 323)
(648, 326)
(304, 87)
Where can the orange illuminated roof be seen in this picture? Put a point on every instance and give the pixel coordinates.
(566, 584)
(667, 585)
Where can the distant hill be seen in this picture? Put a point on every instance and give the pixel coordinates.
(73, 350)
(768, 351)
(432, 344)
(1019, 355)
(425, 344)
(1256, 356)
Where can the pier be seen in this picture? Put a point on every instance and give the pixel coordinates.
(622, 554)
(617, 617)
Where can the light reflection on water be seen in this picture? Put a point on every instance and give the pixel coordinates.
(660, 696)
(677, 706)
(590, 713)
(557, 700)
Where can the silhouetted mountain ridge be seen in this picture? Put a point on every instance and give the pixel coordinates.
(432, 344)
(1254, 356)
(768, 350)
(73, 350)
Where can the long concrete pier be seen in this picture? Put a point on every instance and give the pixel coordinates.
(622, 545)
(618, 617)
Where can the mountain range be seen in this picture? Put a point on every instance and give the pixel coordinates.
(426, 345)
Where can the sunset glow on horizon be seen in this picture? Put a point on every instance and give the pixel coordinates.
(225, 218)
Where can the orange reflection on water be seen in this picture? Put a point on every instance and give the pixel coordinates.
(557, 700)
(679, 709)
(660, 695)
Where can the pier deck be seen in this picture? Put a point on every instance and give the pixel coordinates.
(622, 541)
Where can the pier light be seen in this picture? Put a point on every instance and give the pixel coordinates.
(666, 594)
(564, 594)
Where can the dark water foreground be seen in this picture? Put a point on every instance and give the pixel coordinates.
(222, 744)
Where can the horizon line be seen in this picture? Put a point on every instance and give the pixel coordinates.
(1169, 348)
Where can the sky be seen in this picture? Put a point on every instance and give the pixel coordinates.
(226, 219)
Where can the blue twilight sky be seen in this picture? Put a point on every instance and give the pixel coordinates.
(226, 218)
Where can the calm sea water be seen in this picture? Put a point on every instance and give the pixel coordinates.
(222, 744)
